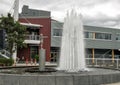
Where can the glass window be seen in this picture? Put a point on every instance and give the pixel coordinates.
(57, 32)
(54, 56)
(117, 36)
(88, 34)
(105, 36)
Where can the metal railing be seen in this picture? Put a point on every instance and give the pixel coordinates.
(32, 37)
(5, 53)
(103, 62)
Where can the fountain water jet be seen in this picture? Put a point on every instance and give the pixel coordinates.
(72, 57)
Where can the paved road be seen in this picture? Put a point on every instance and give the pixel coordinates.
(112, 84)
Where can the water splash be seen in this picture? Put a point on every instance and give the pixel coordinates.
(72, 57)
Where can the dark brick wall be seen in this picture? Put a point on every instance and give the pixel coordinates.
(25, 52)
(45, 30)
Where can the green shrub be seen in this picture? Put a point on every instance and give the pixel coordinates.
(37, 58)
(6, 62)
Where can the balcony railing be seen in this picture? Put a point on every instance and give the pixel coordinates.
(32, 37)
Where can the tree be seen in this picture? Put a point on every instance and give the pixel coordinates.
(15, 33)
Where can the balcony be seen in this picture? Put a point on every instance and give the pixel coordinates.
(32, 39)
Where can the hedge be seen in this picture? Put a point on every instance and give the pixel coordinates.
(6, 62)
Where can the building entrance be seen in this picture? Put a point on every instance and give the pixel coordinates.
(33, 51)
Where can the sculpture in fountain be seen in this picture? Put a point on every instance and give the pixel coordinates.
(72, 58)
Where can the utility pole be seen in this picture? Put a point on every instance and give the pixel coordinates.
(42, 52)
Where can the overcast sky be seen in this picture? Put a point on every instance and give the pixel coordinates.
(95, 12)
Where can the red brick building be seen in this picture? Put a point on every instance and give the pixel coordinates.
(37, 22)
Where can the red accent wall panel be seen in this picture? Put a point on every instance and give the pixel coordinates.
(25, 52)
(45, 30)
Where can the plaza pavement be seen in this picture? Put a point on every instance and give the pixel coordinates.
(112, 84)
(33, 64)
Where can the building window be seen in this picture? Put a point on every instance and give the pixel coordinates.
(104, 36)
(57, 32)
(96, 35)
(88, 35)
(117, 36)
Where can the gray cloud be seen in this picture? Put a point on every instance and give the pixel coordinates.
(102, 20)
(95, 12)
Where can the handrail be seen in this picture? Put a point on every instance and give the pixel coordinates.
(104, 62)
(32, 37)
(5, 53)
(102, 59)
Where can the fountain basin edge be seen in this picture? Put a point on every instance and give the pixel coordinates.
(61, 78)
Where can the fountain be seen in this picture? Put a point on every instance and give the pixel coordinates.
(72, 58)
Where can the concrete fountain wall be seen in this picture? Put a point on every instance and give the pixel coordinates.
(60, 79)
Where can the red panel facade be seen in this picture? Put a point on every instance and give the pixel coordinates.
(24, 54)
(45, 30)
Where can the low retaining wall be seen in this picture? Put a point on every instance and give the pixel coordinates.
(59, 79)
